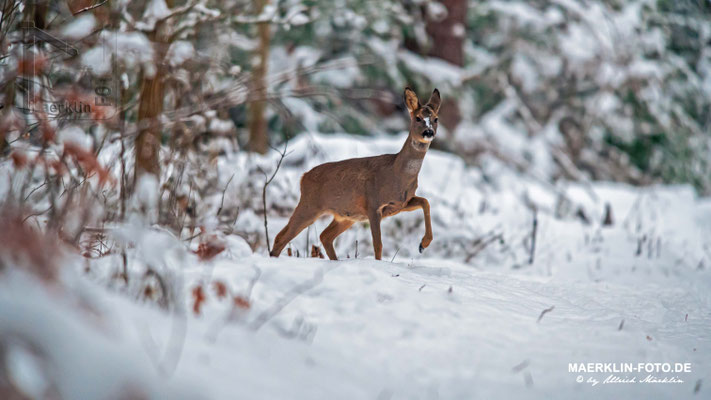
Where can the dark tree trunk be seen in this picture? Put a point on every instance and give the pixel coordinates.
(151, 106)
(149, 136)
(448, 44)
(256, 121)
(448, 34)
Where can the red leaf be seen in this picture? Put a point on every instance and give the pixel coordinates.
(220, 289)
(241, 302)
(208, 249)
(198, 299)
(88, 161)
(19, 158)
(32, 65)
(48, 131)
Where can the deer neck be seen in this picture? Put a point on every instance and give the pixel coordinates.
(409, 160)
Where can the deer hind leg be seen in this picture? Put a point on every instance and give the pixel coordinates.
(302, 217)
(332, 231)
(414, 204)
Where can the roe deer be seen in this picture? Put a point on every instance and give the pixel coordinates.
(369, 188)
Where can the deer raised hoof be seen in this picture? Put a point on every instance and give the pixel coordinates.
(369, 188)
(428, 235)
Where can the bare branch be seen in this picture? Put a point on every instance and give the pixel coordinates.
(91, 7)
(267, 181)
(222, 202)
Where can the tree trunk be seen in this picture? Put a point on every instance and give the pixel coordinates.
(148, 141)
(5, 116)
(256, 121)
(149, 135)
(448, 44)
(448, 34)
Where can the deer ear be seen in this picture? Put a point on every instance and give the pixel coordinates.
(411, 101)
(435, 101)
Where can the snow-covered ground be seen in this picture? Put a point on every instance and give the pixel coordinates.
(467, 319)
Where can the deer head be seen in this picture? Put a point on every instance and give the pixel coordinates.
(423, 118)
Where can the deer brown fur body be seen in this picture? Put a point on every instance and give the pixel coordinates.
(368, 188)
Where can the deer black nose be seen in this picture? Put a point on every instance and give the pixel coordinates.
(428, 133)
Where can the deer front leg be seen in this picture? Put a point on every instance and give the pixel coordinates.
(374, 217)
(414, 204)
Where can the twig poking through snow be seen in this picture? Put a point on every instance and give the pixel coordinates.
(308, 235)
(534, 230)
(529, 379)
(395, 255)
(640, 242)
(622, 323)
(544, 312)
(607, 220)
(520, 367)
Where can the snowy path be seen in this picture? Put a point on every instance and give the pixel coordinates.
(381, 330)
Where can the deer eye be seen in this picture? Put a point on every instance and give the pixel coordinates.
(418, 119)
